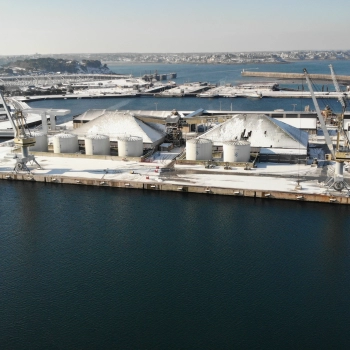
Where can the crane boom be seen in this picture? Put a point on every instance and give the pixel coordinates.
(341, 97)
(344, 153)
(9, 116)
(319, 115)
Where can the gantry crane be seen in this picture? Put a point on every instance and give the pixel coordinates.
(342, 152)
(23, 138)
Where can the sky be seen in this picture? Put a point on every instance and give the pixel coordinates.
(141, 26)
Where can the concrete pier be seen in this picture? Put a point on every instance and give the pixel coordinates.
(299, 182)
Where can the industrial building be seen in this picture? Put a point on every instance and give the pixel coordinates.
(265, 134)
(117, 125)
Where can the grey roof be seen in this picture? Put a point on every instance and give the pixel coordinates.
(196, 113)
(90, 114)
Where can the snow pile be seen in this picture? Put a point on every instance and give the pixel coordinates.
(116, 124)
(260, 130)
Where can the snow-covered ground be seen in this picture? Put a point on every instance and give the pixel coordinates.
(277, 169)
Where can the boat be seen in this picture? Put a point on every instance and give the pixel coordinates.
(250, 94)
(229, 95)
(208, 95)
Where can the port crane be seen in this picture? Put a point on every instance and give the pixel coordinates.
(342, 152)
(23, 138)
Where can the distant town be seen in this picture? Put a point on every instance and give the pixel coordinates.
(196, 58)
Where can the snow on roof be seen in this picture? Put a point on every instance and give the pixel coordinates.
(115, 124)
(265, 132)
(163, 115)
(282, 151)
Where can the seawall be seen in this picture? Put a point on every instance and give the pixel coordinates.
(156, 186)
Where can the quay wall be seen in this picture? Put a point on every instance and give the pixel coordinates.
(341, 78)
(156, 186)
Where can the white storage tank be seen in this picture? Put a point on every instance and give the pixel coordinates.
(236, 151)
(41, 142)
(96, 144)
(130, 146)
(65, 143)
(199, 149)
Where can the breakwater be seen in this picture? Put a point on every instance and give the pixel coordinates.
(278, 75)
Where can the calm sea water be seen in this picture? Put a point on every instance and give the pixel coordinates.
(99, 268)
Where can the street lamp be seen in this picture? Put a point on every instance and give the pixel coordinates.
(156, 103)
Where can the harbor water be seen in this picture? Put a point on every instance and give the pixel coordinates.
(215, 74)
(101, 268)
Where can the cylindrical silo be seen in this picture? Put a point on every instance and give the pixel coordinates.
(41, 143)
(199, 149)
(236, 151)
(97, 145)
(65, 143)
(130, 146)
